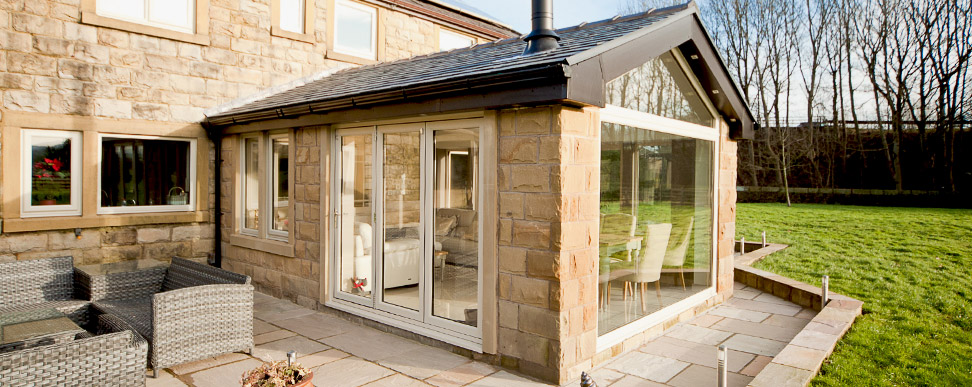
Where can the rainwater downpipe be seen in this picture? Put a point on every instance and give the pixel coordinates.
(216, 135)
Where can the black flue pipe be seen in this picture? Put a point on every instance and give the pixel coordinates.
(543, 37)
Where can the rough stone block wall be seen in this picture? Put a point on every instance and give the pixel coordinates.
(727, 212)
(296, 278)
(548, 194)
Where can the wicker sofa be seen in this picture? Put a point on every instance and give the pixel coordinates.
(115, 357)
(41, 284)
(198, 312)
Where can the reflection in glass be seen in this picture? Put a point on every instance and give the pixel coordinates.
(280, 184)
(50, 180)
(456, 226)
(137, 172)
(356, 230)
(251, 183)
(292, 16)
(402, 258)
(656, 222)
(662, 88)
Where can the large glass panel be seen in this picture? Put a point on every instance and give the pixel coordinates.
(280, 181)
(662, 88)
(292, 15)
(656, 222)
(144, 172)
(251, 183)
(455, 282)
(175, 13)
(354, 29)
(123, 9)
(50, 174)
(356, 230)
(402, 259)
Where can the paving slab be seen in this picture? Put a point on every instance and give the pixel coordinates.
(260, 327)
(755, 345)
(753, 368)
(697, 375)
(815, 340)
(698, 334)
(765, 307)
(739, 314)
(800, 357)
(350, 372)
(776, 375)
(317, 325)
(634, 381)
(371, 344)
(647, 366)
(315, 360)
(706, 320)
(424, 362)
(211, 362)
(464, 374)
(281, 310)
(504, 379)
(766, 297)
(272, 336)
(765, 331)
(702, 354)
(396, 380)
(787, 321)
(227, 374)
(165, 379)
(277, 350)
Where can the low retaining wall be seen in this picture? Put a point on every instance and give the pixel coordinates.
(802, 357)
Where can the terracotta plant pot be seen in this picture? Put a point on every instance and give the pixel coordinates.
(47, 202)
(306, 381)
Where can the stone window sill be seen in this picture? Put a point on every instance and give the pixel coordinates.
(266, 245)
(277, 31)
(331, 54)
(92, 18)
(96, 221)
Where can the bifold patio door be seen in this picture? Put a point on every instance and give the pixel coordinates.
(407, 202)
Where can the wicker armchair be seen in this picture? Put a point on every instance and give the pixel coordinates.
(199, 312)
(41, 284)
(116, 357)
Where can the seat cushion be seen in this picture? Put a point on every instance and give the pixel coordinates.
(137, 312)
(404, 244)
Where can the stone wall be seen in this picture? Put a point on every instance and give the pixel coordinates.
(548, 195)
(296, 278)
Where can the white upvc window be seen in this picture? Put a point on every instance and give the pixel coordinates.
(177, 15)
(355, 29)
(141, 174)
(51, 171)
(449, 40)
(292, 15)
(264, 199)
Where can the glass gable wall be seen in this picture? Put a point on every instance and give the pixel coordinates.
(656, 195)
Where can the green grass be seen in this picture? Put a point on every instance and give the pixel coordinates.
(912, 267)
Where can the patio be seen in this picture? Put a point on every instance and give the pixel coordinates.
(755, 325)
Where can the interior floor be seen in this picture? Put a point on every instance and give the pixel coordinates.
(454, 293)
(621, 310)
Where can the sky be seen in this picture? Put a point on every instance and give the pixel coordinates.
(516, 13)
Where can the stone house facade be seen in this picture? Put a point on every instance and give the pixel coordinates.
(488, 200)
(73, 66)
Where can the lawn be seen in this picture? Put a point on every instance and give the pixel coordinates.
(912, 267)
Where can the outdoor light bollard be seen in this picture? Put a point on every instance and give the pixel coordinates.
(723, 358)
(764, 238)
(824, 291)
(291, 358)
(586, 380)
(742, 245)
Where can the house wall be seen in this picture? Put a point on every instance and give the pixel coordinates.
(62, 69)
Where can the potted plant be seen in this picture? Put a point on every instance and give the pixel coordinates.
(278, 374)
(49, 181)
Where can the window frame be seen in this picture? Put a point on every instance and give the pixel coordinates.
(199, 35)
(368, 57)
(647, 121)
(190, 206)
(264, 230)
(28, 210)
(310, 17)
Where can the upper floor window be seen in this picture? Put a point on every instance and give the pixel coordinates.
(146, 174)
(449, 40)
(51, 173)
(292, 15)
(355, 29)
(177, 15)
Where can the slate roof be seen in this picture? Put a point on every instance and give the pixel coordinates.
(451, 66)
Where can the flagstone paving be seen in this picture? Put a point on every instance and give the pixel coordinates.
(755, 326)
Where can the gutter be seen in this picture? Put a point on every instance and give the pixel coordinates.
(215, 133)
